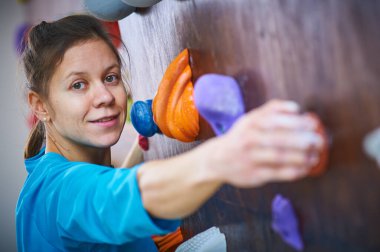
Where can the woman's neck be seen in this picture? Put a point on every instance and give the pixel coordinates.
(75, 152)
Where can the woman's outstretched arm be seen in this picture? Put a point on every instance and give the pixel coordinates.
(271, 143)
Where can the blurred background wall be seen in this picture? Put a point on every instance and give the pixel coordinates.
(13, 127)
(13, 109)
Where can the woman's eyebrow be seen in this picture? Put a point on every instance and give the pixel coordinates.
(113, 66)
(74, 73)
(116, 65)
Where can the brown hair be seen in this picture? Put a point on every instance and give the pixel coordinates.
(46, 46)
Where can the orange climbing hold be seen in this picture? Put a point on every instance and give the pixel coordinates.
(169, 242)
(321, 167)
(173, 106)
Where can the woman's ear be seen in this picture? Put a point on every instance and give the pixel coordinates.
(38, 106)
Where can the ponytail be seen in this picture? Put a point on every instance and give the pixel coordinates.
(35, 140)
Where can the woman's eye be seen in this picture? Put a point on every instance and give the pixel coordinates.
(78, 85)
(111, 78)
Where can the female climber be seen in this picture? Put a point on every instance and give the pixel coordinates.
(75, 200)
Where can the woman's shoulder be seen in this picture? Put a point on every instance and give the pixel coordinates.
(43, 160)
(55, 162)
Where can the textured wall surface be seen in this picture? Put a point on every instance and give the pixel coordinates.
(324, 55)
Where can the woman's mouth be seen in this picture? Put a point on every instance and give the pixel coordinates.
(108, 121)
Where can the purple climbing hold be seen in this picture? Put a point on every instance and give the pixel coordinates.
(20, 39)
(285, 223)
(219, 100)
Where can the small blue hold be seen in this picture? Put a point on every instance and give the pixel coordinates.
(142, 118)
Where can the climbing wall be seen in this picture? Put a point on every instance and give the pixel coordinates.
(324, 55)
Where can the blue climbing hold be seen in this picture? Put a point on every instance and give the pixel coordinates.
(142, 118)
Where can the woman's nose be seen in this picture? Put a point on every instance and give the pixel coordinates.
(102, 96)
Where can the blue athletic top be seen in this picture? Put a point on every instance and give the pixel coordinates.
(78, 206)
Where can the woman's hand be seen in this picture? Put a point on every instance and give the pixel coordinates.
(271, 143)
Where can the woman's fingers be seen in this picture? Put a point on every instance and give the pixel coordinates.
(263, 175)
(270, 121)
(297, 140)
(273, 143)
(283, 106)
(275, 157)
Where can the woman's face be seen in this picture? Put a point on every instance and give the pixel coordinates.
(87, 98)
